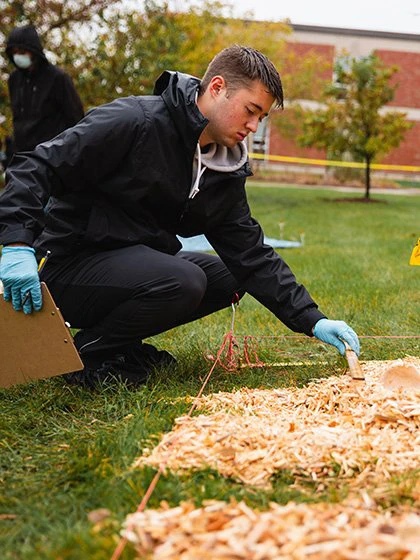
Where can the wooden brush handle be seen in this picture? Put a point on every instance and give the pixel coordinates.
(353, 361)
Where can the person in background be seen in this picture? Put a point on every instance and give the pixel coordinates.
(43, 98)
(124, 182)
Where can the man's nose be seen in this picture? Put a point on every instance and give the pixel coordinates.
(252, 124)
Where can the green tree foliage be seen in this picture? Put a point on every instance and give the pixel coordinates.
(351, 120)
(111, 49)
(132, 49)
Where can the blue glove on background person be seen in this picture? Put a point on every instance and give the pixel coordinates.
(332, 331)
(19, 274)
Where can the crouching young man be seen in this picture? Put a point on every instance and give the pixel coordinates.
(121, 185)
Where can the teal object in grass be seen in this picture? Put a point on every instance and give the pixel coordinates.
(200, 243)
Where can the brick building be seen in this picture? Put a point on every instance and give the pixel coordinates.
(400, 49)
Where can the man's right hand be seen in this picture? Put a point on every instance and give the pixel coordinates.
(19, 274)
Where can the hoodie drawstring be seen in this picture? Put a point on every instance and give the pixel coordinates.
(200, 170)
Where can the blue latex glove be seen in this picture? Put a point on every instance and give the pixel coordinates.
(332, 331)
(19, 274)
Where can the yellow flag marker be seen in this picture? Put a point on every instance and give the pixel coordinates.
(415, 255)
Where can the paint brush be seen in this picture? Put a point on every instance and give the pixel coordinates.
(353, 361)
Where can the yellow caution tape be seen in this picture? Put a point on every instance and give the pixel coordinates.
(335, 163)
(415, 255)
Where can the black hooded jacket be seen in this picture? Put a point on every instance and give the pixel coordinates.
(122, 176)
(44, 100)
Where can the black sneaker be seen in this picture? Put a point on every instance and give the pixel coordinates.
(117, 370)
(147, 355)
(93, 350)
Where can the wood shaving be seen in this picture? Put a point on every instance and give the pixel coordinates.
(331, 427)
(220, 531)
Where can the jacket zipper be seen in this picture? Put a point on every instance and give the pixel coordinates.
(185, 209)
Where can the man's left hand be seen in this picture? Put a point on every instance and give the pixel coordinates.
(335, 332)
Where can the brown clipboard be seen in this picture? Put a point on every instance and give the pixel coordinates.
(35, 346)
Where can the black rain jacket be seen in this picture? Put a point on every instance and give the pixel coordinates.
(44, 100)
(122, 176)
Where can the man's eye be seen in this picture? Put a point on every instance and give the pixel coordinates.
(249, 111)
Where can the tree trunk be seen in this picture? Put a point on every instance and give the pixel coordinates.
(367, 178)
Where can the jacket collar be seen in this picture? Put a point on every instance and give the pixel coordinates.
(179, 92)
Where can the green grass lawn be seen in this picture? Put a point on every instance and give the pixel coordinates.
(67, 451)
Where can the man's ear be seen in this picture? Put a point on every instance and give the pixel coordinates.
(217, 85)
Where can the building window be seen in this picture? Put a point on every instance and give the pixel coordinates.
(260, 140)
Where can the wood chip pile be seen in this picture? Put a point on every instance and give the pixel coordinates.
(335, 426)
(220, 531)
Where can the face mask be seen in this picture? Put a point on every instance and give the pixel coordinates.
(22, 60)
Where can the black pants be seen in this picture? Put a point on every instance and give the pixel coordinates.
(118, 297)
